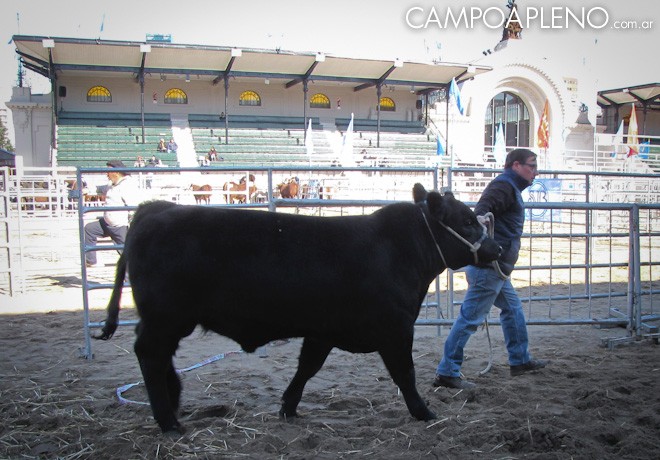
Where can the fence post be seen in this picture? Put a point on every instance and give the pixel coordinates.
(85, 352)
(7, 224)
(635, 268)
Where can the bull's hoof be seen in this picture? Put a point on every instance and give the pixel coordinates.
(285, 415)
(422, 412)
(429, 416)
(173, 431)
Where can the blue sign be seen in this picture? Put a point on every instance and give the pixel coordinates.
(543, 191)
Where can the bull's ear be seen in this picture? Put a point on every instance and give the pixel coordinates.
(437, 204)
(419, 193)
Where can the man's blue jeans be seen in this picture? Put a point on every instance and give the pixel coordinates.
(486, 289)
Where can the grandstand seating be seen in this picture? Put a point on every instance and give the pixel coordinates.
(89, 139)
(102, 119)
(395, 126)
(249, 121)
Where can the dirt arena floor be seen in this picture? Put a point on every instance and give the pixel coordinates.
(590, 403)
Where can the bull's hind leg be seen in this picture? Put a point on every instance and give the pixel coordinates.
(312, 356)
(154, 350)
(399, 363)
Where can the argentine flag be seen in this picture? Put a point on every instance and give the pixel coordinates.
(455, 95)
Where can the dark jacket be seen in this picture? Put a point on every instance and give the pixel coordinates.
(502, 197)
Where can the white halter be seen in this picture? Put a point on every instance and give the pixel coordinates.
(474, 247)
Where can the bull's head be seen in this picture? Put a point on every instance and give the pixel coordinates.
(459, 237)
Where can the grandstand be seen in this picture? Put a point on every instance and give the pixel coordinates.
(252, 105)
(88, 139)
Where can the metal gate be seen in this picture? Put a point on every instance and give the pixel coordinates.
(324, 191)
(37, 229)
(583, 263)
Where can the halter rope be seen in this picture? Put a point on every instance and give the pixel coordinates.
(474, 247)
(498, 270)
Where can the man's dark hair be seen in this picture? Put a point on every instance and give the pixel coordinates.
(519, 155)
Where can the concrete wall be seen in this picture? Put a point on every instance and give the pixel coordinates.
(206, 98)
(32, 126)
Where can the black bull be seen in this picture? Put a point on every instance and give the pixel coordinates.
(362, 278)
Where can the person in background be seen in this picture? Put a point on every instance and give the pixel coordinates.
(162, 147)
(122, 191)
(139, 162)
(213, 154)
(172, 147)
(488, 285)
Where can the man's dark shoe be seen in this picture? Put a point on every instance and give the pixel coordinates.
(452, 382)
(529, 366)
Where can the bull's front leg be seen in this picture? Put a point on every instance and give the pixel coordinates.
(399, 363)
(312, 356)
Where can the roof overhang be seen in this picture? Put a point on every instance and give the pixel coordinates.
(645, 96)
(55, 57)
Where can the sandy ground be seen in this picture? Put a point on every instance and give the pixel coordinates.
(590, 403)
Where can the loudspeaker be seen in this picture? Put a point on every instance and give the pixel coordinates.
(418, 104)
(62, 91)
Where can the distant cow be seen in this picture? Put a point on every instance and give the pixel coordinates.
(200, 196)
(359, 285)
(240, 189)
(289, 188)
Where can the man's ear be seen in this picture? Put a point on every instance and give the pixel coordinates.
(419, 193)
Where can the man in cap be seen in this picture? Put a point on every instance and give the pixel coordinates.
(122, 191)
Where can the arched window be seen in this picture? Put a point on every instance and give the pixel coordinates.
(249, 98)
(99, 94)
(319, 101)
(387, 104)
(176, 96)
(512, 112)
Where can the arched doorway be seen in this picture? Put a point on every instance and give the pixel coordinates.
(510, 110)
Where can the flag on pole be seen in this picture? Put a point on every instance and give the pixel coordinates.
(455, 96)
(309, 142)
(633, 141)
(617, 140)
(440, 149)
(543, 132)
(347, 141)
(499, 149)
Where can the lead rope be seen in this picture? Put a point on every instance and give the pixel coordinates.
(489, 231)
(426, 221)
(498, 270)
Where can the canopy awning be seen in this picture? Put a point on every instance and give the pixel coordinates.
(644, 96)
(53, 57)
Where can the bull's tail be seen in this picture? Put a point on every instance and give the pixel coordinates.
(112, 320)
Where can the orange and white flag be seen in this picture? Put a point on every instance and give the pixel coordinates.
(543, 132)
(633, 140)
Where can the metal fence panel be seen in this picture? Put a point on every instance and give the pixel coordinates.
(582, 261)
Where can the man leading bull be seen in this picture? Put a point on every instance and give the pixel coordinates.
(488, 285)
